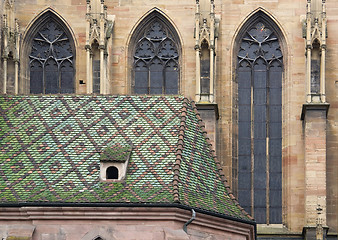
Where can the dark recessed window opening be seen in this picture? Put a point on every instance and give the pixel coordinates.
(156, 58)
(205, 68)
(96, 67)
(259, 76)
(112, 173)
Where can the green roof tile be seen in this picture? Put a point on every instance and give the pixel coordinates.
(51, 147)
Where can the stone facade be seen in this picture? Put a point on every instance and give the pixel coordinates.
(301, 139)
(116, 223)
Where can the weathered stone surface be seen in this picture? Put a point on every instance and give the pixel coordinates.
(287, 14)
(72, 223)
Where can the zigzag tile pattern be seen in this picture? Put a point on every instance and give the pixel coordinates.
(51, 147)
(50, 152)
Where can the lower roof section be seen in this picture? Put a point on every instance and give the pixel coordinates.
(51, 153)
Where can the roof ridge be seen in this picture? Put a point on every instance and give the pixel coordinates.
(180, 144)
(218, 164)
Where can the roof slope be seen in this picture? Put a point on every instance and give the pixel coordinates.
(51, 145)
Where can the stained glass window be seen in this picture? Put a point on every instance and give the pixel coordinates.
(51, 60)
(259, 76)
(156, 60)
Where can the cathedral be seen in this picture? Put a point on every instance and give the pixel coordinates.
(182, 119)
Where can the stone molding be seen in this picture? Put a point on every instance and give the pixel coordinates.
(34, 214)
(314, 106)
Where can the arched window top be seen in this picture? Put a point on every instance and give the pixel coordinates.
(156, 56)
(51, 56)
(260, 29)
(260, 41)
(155, 26)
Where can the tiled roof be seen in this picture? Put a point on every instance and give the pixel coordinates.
(116, 153)
(51, 147)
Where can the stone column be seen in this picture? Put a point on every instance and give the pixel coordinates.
(16, 76)
(89, 81)
(197, 52)
(323, 52)
(308, 76)
(314, 117)
(16, 58)
(88, 49)
(308, 52)
(102, 48)
(212, 50)
(102, 76)
(322, 74)
(209, 115)
(4, 90)
(212, 57)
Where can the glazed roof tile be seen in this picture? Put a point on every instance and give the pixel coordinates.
(51, 147)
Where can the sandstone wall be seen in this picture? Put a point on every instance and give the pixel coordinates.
(287, 14)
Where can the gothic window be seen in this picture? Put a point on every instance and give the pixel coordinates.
(205, 68)
(96, 67)
(259, 77)
(315, 68)
(156, 59)
(51, 60)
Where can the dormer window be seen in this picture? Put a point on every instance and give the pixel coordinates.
(114, 162)
(112, 173)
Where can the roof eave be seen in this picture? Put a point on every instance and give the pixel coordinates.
(164, 205)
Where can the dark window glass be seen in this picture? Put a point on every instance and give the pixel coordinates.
(246, 198)
(156, 76)
(171, 77)
(275, 214)
(260, 212)
(244, 165)
(156, 68)
(315, 67)
(36, 77)
(51, 60)
(96, 76)
(112, 173)
(259, 77)
(141, 74)
(67, 73)
(244, 113)
(205, 68)
(51, 76)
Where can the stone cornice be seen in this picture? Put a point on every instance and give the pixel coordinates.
(314, 106)
(31, 213)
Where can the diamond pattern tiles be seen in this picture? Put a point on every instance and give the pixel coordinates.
(51, 146)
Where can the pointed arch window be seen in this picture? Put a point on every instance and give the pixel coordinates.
(96, 67)
(259, 77)
(156, 58)
(205, 68)
(51, 59)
